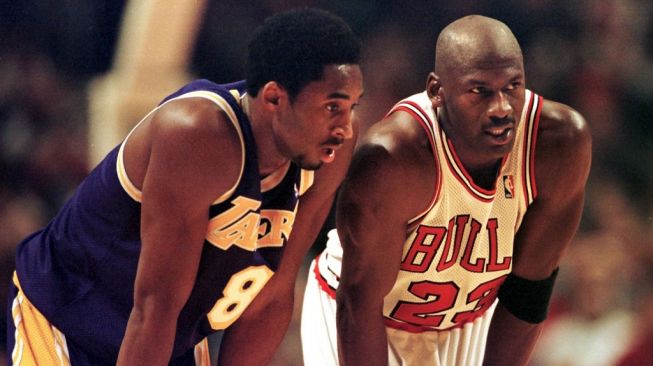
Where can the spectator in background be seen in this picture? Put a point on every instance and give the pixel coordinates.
(593, 325)
(568, 46)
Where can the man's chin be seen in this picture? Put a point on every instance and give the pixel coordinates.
(314, 166)
(308, 165)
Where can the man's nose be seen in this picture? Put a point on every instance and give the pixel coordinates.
(345, 129)
(499, 106)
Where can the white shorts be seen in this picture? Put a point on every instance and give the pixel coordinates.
(318, 324)
(455, 347)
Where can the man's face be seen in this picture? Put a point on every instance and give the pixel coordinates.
(317, 123)
(483, 102)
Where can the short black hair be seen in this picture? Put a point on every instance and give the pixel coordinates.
(293, 47)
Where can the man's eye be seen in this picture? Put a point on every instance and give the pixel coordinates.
(332, 107)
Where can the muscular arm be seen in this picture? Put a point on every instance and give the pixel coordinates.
(377, 200)
(183, 158)
(562, 161)
(265, 322)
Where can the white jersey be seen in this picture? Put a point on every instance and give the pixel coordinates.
(458, 251)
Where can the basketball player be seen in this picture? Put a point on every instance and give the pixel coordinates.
(172, 236)
(463, 194)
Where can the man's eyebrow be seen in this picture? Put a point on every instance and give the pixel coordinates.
(483, 83)
(475, 82)
(338, 95)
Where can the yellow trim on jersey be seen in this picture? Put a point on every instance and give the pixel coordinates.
(37, 341)
(136, 194)
(275, 178)
(125, 182)
(306, 181)
(236, 95)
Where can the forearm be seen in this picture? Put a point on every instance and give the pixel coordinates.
(147, 341)
(510, 341)
(362, 338)
(261, 345)
(254, 338)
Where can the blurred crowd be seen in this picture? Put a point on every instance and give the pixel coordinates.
(595, 55)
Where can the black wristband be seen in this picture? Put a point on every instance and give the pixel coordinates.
(527, 300)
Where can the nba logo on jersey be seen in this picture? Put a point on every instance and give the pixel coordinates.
(508, 186)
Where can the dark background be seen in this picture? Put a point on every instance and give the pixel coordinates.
(593, 55)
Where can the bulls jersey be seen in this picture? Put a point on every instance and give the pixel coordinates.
(460, 249)
(457, 253)
(79, 271)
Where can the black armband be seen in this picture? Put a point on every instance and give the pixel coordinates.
(527, 300)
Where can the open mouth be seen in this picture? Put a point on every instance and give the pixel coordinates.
(500, 135)
(328, 154)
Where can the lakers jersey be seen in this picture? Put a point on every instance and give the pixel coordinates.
(79, 270)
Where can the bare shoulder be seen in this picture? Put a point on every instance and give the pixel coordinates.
(564, 150)
(401, 138)
(186, 136)
(562, 164)
(192, 117)
(394, 165)
(396, 145)
(563, 129)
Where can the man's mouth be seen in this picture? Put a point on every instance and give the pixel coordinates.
(500, 135)
(329, 153)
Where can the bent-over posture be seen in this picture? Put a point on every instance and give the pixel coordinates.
(465, 193)
(199, 220)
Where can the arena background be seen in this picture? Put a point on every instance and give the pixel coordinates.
(75, 75)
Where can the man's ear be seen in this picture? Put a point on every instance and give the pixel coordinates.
(273, 94)
(434, 89)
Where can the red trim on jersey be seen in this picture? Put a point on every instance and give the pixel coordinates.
(530, 135)
(427, 124)
(324, 285)
(525, 159)
(411, 328)
(414, 224)
(466, 180)
(536, 124)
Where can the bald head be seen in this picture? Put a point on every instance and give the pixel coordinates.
(475, 42)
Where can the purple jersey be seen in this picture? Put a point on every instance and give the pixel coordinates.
(79, 270)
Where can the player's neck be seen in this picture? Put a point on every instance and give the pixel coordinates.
(269, 157)
(486, 178)
(483, 169)
(483, 172)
